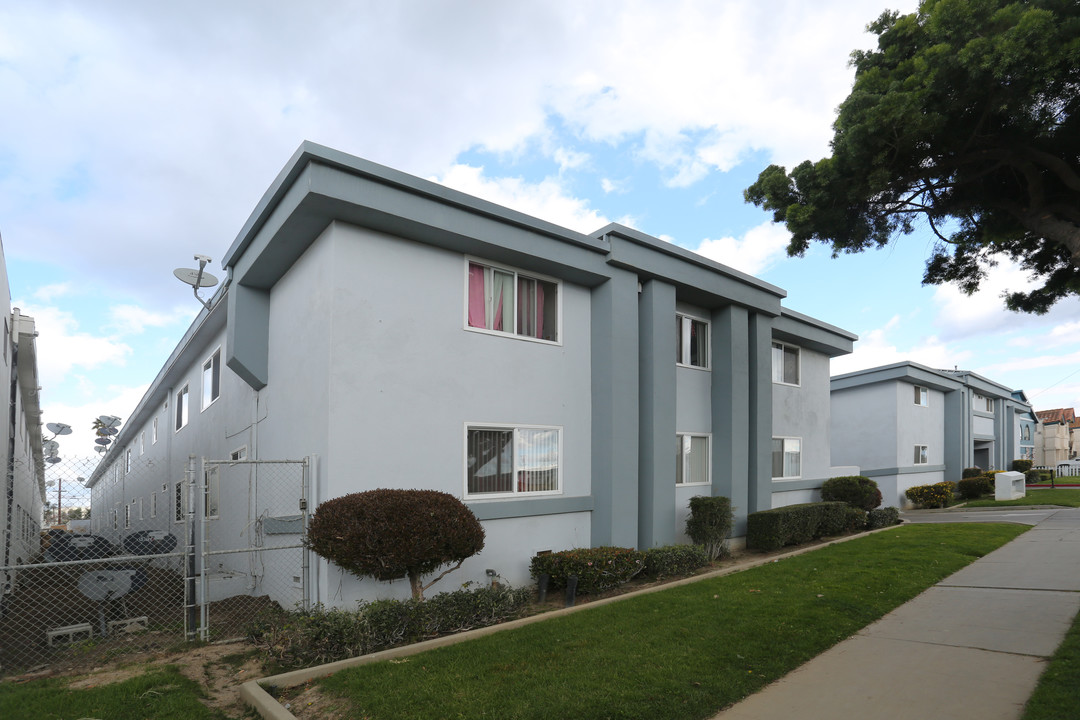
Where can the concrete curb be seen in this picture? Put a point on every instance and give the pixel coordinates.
(256, 694)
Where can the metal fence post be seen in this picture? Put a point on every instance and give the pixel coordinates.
(190, 608)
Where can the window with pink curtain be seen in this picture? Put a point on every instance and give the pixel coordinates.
(506, 301)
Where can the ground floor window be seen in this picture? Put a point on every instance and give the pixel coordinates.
(512, 460)
(920, 455)
(691, 459)
(786, 458)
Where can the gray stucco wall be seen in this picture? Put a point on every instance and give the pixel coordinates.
(864, 426)
(803, 411)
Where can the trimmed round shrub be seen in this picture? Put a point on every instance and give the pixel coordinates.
(709, 523)
(938, 495)
(391, 534)
(857, 491)
(882, 517)
(973, 488)
(674, 560)
(1022, 466)
(1032, 476)
(597, 569)
(971, 472)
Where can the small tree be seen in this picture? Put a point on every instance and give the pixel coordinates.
(709, 523)
(391, 534)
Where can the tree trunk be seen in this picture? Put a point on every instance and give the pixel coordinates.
(1056, 229)
(416, 585)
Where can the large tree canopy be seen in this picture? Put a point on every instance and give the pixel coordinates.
(967, 116)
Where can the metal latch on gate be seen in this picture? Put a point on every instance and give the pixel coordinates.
(303, 504)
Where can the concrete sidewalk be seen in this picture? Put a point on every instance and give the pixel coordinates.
(972, 646)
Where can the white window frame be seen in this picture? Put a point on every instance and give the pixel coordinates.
(514, 493)
(783, 457)
(211, 367)
(115, 519)
(212, 493)
(921, 455)
(142, 443)
(922, 396)
(153, 434)
(778, 376)
(183, 409)
(153, 504)
(986, 403)
(684, 322)
(127, 461)
(683, 447)
(179, 501)
(490, 266)
(239, 454)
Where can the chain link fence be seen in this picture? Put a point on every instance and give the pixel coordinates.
(150, 557)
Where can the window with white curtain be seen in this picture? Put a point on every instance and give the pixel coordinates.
(922, 396)
(691, 459)
(512, 460)
(181, 407)
(211, 379)
(692, 341)
(785, 364)
(503, 300)
(921, 455)
(786, 458)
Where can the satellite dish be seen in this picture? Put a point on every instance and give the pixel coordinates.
(100, 449)
(197, 278)
(109, 421)
(50, 447)
(52, 459)
(58, 428)
(111, 431)
(101, 585)
(103, 441)
(50, 483)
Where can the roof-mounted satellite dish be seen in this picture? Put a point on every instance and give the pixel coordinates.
(197, 278)
(109, 421)
(52, 459)
(100, 449)
(58, 428)
(111, 431)
(50, 447)
(103, 441)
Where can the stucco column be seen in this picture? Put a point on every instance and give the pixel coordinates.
(615, 410)
(958, 441)
(731, 410)
(760, 395)
(656, 447)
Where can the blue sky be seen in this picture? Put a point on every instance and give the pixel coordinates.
(134, 135)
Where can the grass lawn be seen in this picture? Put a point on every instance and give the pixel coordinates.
(1058, 496)
(1058, 693)
(681, 653)
(159, 695)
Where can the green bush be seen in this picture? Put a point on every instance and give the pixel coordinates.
(932, 496)
(1032, 476)
(835, 519)
(674, 560)
(793, 524)
(855, 490)
(1022, 466)
(971, 472)
(391, 534)
(854, 520)
(300, 639)
(883, 517)
(973, 488)
(597, 569)
(709, 523)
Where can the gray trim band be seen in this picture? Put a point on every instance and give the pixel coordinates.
(498, 510)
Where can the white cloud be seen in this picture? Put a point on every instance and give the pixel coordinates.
(49, 293)
(878, 347)
(569, 159)
(62, 347)
(546, 200)
(133, 319)
(758, 249)
(614, 186)
(118, 401)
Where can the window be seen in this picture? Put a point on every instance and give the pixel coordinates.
(179, 502)
(922, 396)
(141, 509)
(182, 407)
(142, 443)
(211, 379)
(238, 455)
(153, 433)
(153, 504)
(920, 455)
(786, 458)
(115, 522)
(983, 403)
(503, 460)
(127, 461)
(1025, 432)
(691, 459)
(505, 301)
(210, 497)
(785, 364)
(692, 341)
(127, 517)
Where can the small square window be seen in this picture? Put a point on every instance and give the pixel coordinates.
(922, 396)
(785, 364)
(692, 341)
(786, 458)
(691, 459)
(182, 407)
(920, 455)
(211, 380)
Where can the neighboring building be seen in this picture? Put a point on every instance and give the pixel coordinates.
(905, 425)
(23, 495)
(1027, 429)
(1057, 438)
(407, 335)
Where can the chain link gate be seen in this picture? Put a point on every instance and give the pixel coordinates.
(149, 557)
(251, 553)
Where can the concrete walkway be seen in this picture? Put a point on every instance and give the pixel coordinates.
(972, 646)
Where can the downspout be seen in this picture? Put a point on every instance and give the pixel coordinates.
(9, 470)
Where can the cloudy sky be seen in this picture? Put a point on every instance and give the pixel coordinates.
(134, 135)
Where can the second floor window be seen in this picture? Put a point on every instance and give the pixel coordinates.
(181, 407)
(211, 379)
(692, 340)
(921, 455)
(922, 396)
(785, 364)
(506, 301)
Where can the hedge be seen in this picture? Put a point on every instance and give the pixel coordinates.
(709, 523)
(856, 490)
(975, 487)
(674, 560)
(597, 569)
(932, 496)
(795, 524)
